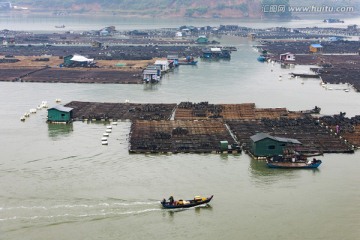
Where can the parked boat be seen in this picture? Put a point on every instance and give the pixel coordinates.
(262, 58)
(315, 110)
(333, 20)
(171, 204)
(187, 61)
(296, 161)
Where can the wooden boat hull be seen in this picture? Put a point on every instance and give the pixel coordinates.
(191, 204)
(293, 165)
(187, 63)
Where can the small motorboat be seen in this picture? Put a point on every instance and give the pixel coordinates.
(171, 204)
(292, 159)
(187, 63)
(297, 163)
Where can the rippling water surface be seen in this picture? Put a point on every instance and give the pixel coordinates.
(59, 182)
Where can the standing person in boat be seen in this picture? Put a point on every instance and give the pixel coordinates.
(171, 199)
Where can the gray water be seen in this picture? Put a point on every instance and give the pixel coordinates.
(59, 182)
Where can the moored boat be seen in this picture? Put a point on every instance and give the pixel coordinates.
(297, 165)
(296, 162)
(187, 63)
(262, 58)
(171, 204)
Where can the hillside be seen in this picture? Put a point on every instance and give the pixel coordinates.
(178, 8)
(159, 8)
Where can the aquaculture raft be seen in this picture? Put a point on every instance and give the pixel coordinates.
(178, 136)
(313, 136)
(120, 111)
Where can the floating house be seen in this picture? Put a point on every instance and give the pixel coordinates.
(78, 61)
(287, 57)
(60, 114)
(178, 34)
(216, 53)
(202, 40)
(352, 27)
(152, 74)
(96, 44)
(163, 64)
(263, 145)
(252, 36)
(335, 39)
(174, 59)
(104, 32)
(316, 48)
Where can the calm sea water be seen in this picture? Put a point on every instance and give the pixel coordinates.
(59, 182)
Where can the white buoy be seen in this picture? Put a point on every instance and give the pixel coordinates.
(108, 130)
(114, 123)
(26, 114)
(58, 100)
(347, 90)
(44, 104)
(22, 119)
(127, 100)
(104, 142)
(33, 110)
(105, 134)
(104, 139)
(109, 127)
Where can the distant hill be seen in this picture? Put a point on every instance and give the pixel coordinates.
(179, 8)
(158, 8)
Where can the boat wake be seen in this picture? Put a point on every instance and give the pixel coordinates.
(40, 215)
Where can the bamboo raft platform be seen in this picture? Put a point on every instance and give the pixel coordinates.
(315, 138)
(178, 136)
(196, 130)
(120, 111)
(61, 75)
(204, 110)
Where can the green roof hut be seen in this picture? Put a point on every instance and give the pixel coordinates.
(202, 40)
(60, 114)
(263, 145)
